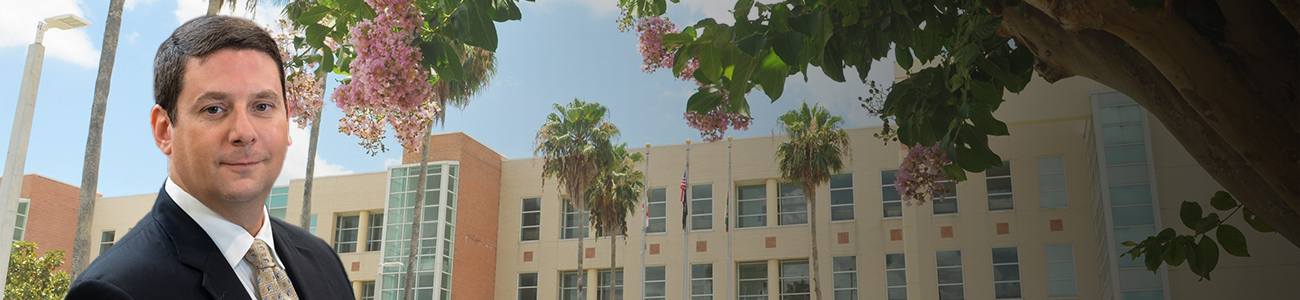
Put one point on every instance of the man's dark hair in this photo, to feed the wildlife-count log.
(199, 38)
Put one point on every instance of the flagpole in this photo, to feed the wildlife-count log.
(686, 230)
(645, 214)
(730, 186)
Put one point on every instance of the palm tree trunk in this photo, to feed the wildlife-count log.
(214, 7)
(810, 194)
(407, 291)
(311, 162)
(612, 247)
(582, 252)
(90, 170)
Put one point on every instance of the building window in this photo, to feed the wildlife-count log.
(277, 203)
(846, 277)
(842, 197)
(1006, 273)
(311, 225)
(610, 285)
(791, 209)
(1051, 182)
(530, 222)
(702, 207)
(345, 233)
(658, 213)
(948, 205)
(569, 285)
(751, 206)
(106, 239)
(367, 290)
(1060, 271)
(895, 277)
(375, 232)
(751, 281)
(950, 281)
(702, 281)
(655, 283)
(528, 286)
(889, 197)
(794, 280)
(998, 182)
(572, 220)
(20, 220)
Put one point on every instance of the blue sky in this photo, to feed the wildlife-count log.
(560, 50)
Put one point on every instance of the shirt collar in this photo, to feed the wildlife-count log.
(231, 239)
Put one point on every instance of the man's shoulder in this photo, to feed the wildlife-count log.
(144, 257)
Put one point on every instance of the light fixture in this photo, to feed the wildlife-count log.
(66, 22)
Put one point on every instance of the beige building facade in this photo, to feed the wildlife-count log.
(1085, 170)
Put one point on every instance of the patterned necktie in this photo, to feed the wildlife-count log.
(272, 283)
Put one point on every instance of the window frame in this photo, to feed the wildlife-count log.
(1018, 282)
(989, 194)
(836, 272)
(565, 226)
(106, 240)
(1064, 185)
(573, 288)
(368, 285)
(698, 295)
(695, 215)
(781, 213)
(523, 217)
(951, 196)
(885, 202)
(339, 231)
(852, 215)
(782, 277)
(902, 268)
(658, 202)
(1048, 263)
(616, 285)
(282, 211)
(961, 281)
(662, 282)
(375, 232)
(520, 287)
(20, 219)
(740, 280)
(761, 202)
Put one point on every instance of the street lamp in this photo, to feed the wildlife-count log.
(12, 184)
(380, 274)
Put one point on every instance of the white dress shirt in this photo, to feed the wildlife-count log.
(231, 239)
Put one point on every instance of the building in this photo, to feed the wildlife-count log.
(46, 214)
(1085, 170)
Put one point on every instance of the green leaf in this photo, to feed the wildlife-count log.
(1190, 213)
(1254, 221)
(753, 44)
(985, 93)
(1129, 244)
(1166, 235)
(741, 11)
(1223, 201)
(903, 57)
(1154, 255)
(1234, 242)
(984, 121)
(505, 10)
(1207, 252)
(678, 39)
(833, 63)
(771, 75)
(703, 100)
(788, 45)
(313, 15)
(443, 58)
(316, 35)
(326, 63)
(710, 63)
(806, 23)
(954, 172)
(1208, 223)
(1176, 251)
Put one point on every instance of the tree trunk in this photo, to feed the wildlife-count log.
(90, 170)
(1061, 53)
(214, 7)
(810, 196)
(408, 286)
(612, 247)
(582, 252)
(311, 162)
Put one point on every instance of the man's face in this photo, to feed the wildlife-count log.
(230, 135)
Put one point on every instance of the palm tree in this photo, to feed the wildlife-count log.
(614, 196)
(575, 143)
(809, 158)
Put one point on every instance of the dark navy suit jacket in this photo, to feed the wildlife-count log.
(168, 256)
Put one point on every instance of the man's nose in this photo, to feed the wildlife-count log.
(242, 131)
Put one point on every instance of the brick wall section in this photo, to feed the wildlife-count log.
(474, 266)
(52, 215)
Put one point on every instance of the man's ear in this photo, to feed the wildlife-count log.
(162, 129)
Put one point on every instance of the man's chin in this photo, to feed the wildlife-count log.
(245, 190)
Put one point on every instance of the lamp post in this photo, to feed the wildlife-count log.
(12, 184)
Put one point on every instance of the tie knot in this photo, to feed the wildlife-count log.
(259, 255)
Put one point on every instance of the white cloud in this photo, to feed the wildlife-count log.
(265, 15)
(841, 98)
(130, 39)
(130, 4)
(392, 162)
(295, 164)
(18, 29)
(719, 10)
(599, 9)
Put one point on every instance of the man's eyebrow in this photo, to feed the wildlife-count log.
(211, 96)
(266, 94)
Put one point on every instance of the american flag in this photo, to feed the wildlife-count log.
(685, 212)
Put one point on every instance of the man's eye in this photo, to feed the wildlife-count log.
(262, 107)
(212, 110)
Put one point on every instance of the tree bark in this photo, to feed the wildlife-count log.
(612, 251)
(810, 196)
(414, 248)
(582, 252)
(1061, 53)
(214, 7)
(90, 169)
(305, 221)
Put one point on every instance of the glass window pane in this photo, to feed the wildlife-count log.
(1143, 295)
(949, 275)
(1001, 202)
(529, 234)
(840, 213)
(846, 280)
(654, 289)
(654, 273)
(845, 263)
(1005, 255)
(887, 176)
(1051, 182)
(1123, 134)
(1135, 234)
(894, 261)
(893, 210)
(701, 207)
(1127, 174)
(999, 185)
(896, 278)
(946, 206)
(888, 193)
(1133, 215)
(841, 197)
(952, 292)
(794, 269)
(846, 295)
(948, 258)
(1052, 199)
(1007, 290)
(789, 190)
(1135, 194)
(841, 180)
(1116, 155)
(752, 192)
(1065, 269)
(752, 221)
(1006, 273)
(752, 270)
(657, 210)
(1120, 114)
(899, 293)
(752, 207)
(1005, 170)
(532, 219)
(1113, 98)
(702, 271)
(1138, 279)
(701, 222)
(700, 191)
(1059, 252)
(1061, 288)
(1050, 165)
(532, 204)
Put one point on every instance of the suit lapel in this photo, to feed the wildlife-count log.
(195, 249)
(298, 262)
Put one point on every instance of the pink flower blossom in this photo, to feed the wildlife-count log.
(921, 174)
(303, 93)
(388, 84)
(651, 36)
(713, 124)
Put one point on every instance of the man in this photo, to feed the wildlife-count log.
(221, 119)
